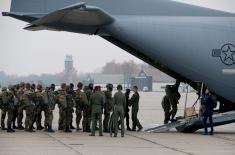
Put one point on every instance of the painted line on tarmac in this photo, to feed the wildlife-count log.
(162, 145)
(66, 145)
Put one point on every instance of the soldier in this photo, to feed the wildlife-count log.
(68, 111)
(62, 102)
(97, 102)
(174, 97)
(20, 105)
(8, 107)
(39, 107)
(119, 108)
(72, 92)
(80, 103)
(4, 107)
(126, 113)
(108, 106)
(16, 102)
(29, 106)
(134, 102)
(87, 109)
(166, 105)
(49, 100)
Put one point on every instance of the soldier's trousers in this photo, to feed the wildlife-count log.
(38, 117)
(20, 115)
(10, 114)
(174, 109)
(3, 116)
(61, 116)
(135, 120)
(30, 110)
(96, 116)
(67, 113)
(119, 114)
(127, 117)
(167, 115)
(106, 120)
(78, 116)
(15, 114)
(86, 121)
(48, 118)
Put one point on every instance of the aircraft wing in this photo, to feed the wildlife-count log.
(77, 17)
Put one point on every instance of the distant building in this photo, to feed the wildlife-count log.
(88, 80)
(143, 81)
(70, 74)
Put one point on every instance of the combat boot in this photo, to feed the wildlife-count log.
(128, 128)
(71, 126)
(20, 127)
(9, 129)
(67, 130)
(40, 127)
(50, 129)
(3, 126)
(30, 130)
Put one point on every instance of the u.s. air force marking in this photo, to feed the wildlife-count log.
(226, 54)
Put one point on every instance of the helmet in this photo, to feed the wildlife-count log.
(119, 87)
(63, 85)
(27, 85)
(80, 85)
(91, 86)
(53, 86)
(109, 86)
(39, 87)
(4, 88)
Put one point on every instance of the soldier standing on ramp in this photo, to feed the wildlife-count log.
(166, 105)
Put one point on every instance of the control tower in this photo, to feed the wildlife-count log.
(69, 69)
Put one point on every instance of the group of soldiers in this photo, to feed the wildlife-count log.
(170, 102)
(89, 104)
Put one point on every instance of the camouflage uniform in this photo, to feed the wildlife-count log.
(20, 106)
(80, 103)
(29, 106)
(68, 112)
(97, 102)
(86, 123)
(62, 103)
(108, 106)
(8, 107)
(39, 107)
(49, 100)
(3, 107)
(119, 108)
(15, 110)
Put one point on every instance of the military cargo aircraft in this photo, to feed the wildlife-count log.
(190, 43)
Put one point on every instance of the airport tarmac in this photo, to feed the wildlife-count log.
(138, 143)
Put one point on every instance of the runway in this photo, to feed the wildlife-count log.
(138, 143)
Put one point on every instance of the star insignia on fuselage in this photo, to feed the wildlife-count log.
(226, 54)
(229, 54)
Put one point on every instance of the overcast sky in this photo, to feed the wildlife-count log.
(24, 52)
